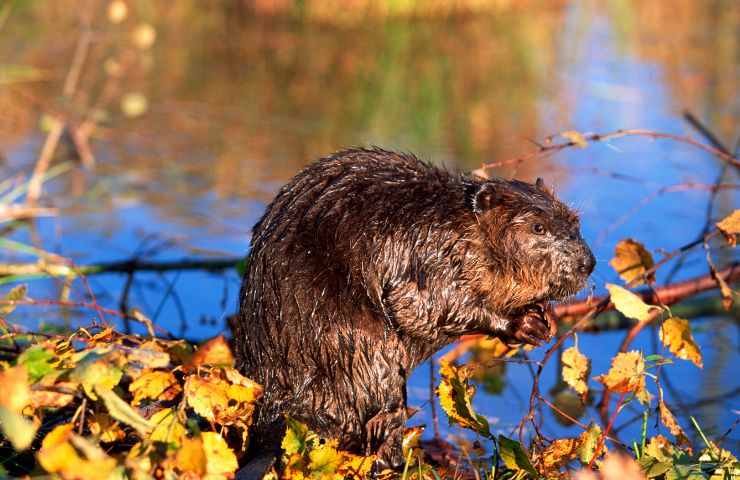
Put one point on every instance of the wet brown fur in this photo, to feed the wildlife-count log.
(367, 263)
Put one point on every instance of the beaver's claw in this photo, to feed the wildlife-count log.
(533, 326)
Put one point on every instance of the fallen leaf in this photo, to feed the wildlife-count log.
(96, 371)
(215, 351)
(64, 452)
(576, 368)
(629, 304)
(730, 227)
(675, 333)
(325, 459)
(152, 385)
(191, 457)
(296, 438)
(105, 428)
(167, 427)
(16, 390)
(220, 459)
(17, 428)
(122, 411)
(631, 261)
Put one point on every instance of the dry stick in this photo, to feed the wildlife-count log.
(52, 139)
(600, 137)
(432, 396)
(123, 266)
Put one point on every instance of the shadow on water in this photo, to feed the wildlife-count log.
(236, 103)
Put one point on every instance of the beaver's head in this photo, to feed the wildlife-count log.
(532, 242)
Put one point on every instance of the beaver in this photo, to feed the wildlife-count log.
(369, 261)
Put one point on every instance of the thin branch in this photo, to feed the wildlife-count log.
(551, 148)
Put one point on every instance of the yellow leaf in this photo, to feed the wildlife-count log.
(220, 459)
(152, 385)
(667, 418)
(17, 428)
(123, 412)
(64, 452)
(325, 459)
(730, 227)
(631, 260)
(206, 396)
(220, 401)
(56, 452)
(215, 351)
(559, 453)
(626, 375)
(96, 370)
(105, 428)
(191, 457)
(659, 448)
(576, 368)
(675, 333)
(629, 304)
(588, 442)
(576, 137)
(455, 396)
(167, 427)
(296, 437)
(16, 390)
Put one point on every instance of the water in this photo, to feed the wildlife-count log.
(237, 104)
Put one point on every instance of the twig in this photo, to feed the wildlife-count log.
(432, 403)
(52, 139)
(545, 150)
(123, 266)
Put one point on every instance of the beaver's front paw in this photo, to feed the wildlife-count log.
(533, 326)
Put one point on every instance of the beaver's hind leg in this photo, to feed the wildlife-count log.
(385, 439)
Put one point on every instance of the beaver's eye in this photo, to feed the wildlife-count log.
(538, 228)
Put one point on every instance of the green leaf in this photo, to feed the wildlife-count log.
(122, 411)
(296, 437)
(514, 456)
(37, 362)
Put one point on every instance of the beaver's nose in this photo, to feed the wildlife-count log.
(587, 265)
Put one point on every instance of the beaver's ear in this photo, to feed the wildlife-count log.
(481, 197)
(540, 184)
